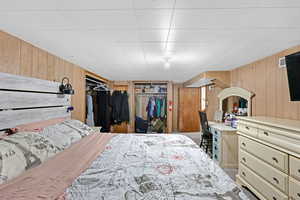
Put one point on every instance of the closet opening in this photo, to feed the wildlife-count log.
(98, 104)
(151, 107)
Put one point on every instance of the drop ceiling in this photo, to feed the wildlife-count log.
(130, 39)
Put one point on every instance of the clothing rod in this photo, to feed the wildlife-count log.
(95, 81)
(153, 93)
(162, 95)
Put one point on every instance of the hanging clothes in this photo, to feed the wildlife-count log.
(141, 103)
(144, 102)
(151, 108)
(90, 112)
(116, 104)
(96, 109)
(104, 110)
(163, 110)
(124, 115)
(138, 106)
(158, 107)
(120, 107)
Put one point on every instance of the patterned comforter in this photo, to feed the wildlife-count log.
(153, 167)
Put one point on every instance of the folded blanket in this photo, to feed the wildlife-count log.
(50, 179)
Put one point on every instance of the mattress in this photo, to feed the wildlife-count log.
(153, 167)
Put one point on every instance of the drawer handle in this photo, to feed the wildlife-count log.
(247, 127)
(266, 133)
(244, 159)
(276, 160)
(244, 174)
(216, 139)
(216, 148)
(244, 144)
(276, 180)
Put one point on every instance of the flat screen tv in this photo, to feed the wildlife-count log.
(293, 72)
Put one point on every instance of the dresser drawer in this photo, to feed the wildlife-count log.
(216, 155)
(216, 150)
(216, 147)
(284, 139)
(248, 129)
(272, 175)
(272, 156)
(295, 167)
(216, 136)
(294, 189)
(262, 186)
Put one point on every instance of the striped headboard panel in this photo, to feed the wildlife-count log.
(26, 100)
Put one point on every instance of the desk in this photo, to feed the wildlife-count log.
(225, 145)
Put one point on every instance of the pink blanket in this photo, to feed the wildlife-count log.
(53, 177)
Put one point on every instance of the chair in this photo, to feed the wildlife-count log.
(207, 137)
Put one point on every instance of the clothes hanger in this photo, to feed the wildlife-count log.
(101, 87)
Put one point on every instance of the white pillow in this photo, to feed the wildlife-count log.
(62, 134)
(22, 151)
(59, 138)
(77, 125)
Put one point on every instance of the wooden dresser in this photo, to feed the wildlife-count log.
(269, 157)
(225, 145)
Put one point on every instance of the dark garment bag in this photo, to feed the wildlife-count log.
(116, 104)
(104, 110)
(124, 116)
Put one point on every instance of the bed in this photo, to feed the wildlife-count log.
(54, 157)
(169, 167)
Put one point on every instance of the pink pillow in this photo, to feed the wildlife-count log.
(33, 127)
(39, 126)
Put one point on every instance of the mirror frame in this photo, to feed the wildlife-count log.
(236, 91)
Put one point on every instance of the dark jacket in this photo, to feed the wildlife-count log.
(120, 107)
(124, 115)
(104, 110)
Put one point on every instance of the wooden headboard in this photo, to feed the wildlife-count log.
(26, 100)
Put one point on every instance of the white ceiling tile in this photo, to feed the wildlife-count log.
(184, 4)
(154, 35)
(64, 4)
(237, 19)
(146, 4)
(127, 39)
(96, 4)
(102, 19)
(154, 19)
(28, 5)
(82, 20)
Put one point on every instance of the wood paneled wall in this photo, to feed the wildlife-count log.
(212, 101)
(270, 85)
(175, 122)
(21, 58)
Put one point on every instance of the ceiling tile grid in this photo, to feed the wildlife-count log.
(131, 39)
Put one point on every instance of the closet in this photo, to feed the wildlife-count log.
(151, 107)
(98, 101)
(107, 106)
(122, 127)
